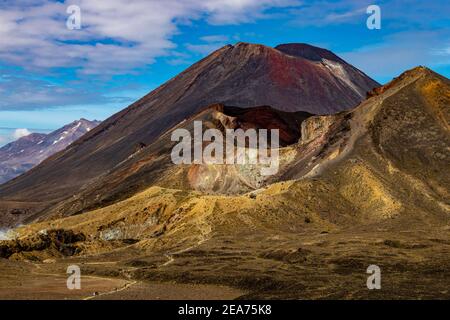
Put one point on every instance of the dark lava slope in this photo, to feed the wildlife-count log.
(294, 77)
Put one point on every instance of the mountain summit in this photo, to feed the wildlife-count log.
(23, 154)
(344, 72)
(309, 52)
(242, 75)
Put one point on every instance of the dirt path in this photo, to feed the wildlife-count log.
(29, 281)
(125, 287)
(171, 291)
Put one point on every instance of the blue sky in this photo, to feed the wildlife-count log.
(50, 75)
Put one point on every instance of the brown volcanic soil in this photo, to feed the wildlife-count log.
(279, 245)
(33, 281)
(239, 75)
(152, 164)
(368, 186)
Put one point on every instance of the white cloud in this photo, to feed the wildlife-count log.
(116, 35)
(204, 49)
(215, 38)
(403, 14)
(212, 43)
(240, 11)
(19, 133)
(442, 52)
(400, 52)
(25, 93)
(320, 13)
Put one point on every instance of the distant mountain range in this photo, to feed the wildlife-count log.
(23, 154)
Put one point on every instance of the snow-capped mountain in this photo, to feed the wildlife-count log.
(23, 154)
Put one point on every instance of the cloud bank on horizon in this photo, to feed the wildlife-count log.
(127, 47)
